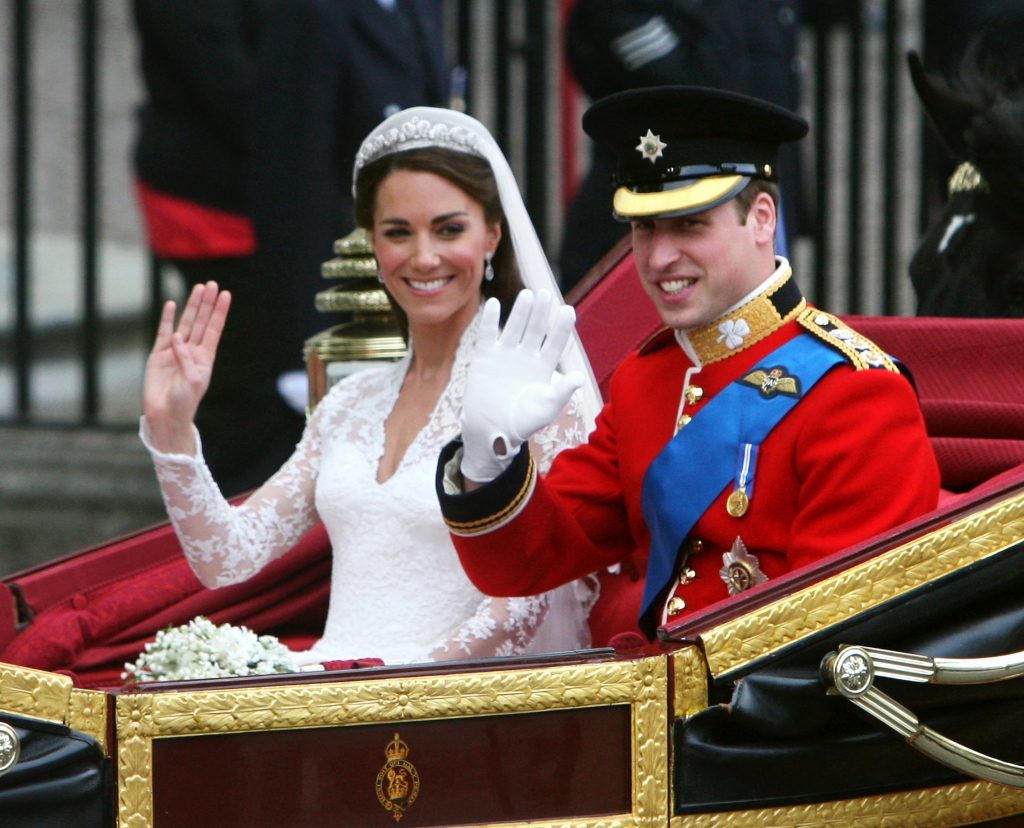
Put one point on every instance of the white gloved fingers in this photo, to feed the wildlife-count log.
(565, 385)
(518, 318)
(487, 336)
(539, 323)
(559, 331)
(530, 413)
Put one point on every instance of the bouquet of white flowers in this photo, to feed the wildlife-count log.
(201, 649)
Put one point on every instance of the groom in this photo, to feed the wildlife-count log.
(753, 435)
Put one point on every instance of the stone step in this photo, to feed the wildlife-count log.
(65, 489)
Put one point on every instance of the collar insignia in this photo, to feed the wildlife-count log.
(748, 324)
(733, 332)
(772, 381)
(650, 146)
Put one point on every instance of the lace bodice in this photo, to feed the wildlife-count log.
(398, 591)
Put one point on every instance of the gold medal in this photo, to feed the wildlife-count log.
(738, 503)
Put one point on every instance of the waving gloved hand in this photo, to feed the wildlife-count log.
(513, 388)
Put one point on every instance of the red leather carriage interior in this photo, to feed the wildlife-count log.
(90, 612)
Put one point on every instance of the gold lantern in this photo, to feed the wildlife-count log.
(372, 336)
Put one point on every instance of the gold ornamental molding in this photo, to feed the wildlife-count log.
(641, 684)
(35, 693)
(87, 713)
(942, 807)
(690, 690)
(52, 697)
(734, 644)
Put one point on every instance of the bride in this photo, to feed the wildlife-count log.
(449, 230)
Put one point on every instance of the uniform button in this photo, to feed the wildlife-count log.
(693, 394)
(675, 606)
(696, 546)
(683, 421)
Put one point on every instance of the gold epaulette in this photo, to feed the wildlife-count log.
(862, 353)
(658, 339)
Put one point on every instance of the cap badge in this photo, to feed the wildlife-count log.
(650, 146)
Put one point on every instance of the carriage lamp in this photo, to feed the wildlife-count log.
(370, 337)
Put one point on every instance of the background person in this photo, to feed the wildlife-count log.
(328, 71)
(755, 434)
(190, 158)
(449, 228)
(747, 46)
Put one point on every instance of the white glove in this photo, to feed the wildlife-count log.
(513, 387)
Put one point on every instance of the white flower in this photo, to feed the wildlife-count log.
(200, 649)
(733, 331)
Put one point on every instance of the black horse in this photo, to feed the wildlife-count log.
(971, 260)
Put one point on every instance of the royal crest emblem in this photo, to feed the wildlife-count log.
(398, 782)
(650, 146)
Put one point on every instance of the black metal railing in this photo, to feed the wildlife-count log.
(862, 180)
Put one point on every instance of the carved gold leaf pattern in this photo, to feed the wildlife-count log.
(949, 805)
(134, 717)
(690, 694)
(393, 700)
(642, 684)
(35, 693)
(752, 636)
(88, 714)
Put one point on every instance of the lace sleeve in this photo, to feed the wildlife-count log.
(570, 429)
(500, 627)
(224, 543)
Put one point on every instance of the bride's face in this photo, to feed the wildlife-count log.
(431, 238)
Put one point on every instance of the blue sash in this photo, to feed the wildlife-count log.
(700, 461)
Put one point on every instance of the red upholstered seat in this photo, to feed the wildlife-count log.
(93, 611)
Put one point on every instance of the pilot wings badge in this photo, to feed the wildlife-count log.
(772, 381)
(398, 782)
(740, 570)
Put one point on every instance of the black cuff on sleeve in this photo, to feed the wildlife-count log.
(490, 505)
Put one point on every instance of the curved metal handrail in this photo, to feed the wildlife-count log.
(851, 673)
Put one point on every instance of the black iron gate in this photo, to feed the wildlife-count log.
(864, 161)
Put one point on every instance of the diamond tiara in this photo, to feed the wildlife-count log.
(414, 133)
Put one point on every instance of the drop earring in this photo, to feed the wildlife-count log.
(488, 268)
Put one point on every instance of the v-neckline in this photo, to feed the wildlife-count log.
(459, 365)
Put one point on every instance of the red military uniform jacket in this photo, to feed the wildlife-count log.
(852, 459)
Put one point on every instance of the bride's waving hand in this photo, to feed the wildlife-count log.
(180, 364)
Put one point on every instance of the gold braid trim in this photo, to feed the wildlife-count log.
(862, 353)
(502, 516)
(760, 314)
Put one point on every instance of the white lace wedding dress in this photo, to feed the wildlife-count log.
(398, 591)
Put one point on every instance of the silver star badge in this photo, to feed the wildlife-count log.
(650, 146)
(740, 570)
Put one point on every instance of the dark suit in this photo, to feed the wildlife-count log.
(198, 62)
(328, 72)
